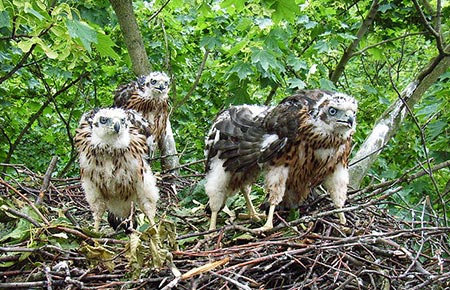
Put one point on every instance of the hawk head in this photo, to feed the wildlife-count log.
(110, 128)
(335, 113)
(156, 84)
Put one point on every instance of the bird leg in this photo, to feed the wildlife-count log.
(213, 220)
(342, 218)
(275, 186)
(97, 211)
(252, 214)
(269, 222)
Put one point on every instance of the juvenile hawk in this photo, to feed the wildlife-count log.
(112, 146)
(301, 143)
(148, 95)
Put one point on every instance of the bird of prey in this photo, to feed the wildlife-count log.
(148, 95)
(113, 146)
(299, 144)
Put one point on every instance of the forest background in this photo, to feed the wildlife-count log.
(59, 59)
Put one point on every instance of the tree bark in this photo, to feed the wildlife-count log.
(389, 122)
(141, 66)
(336, 74)
(132, 36)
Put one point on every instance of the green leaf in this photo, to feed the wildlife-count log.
(238, 47)
(105, 46)
(238, 4)
(321, 46)
(326, 84)
(211, 42)
(296, 83)
(80, 30)
(242, 69)
(296, 63)
(262, 57)
(377, 53)
(4, 19)
(284, 10)
(437, 128)
(29, 9)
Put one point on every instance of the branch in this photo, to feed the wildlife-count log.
(356, 53)
(336, 74)
(435, 32)
(36, 115)
(18, 65)
(26, 199)
(197, 79)
(132, 36)
(390, 121)
(46, 181)
(158, 11)
(425, 149)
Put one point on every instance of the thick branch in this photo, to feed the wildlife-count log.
(132, 36)
(389, 123)
(336, 74)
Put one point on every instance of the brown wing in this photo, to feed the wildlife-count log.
(235, 137)
(143, 127)
(123, 93)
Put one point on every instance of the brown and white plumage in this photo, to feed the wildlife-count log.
(113, 145)
(301, 143)
(148, 95)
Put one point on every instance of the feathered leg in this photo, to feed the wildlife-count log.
(216, 202)
(95, 201)
(148, 195)
(275, 184)
(216, 187)
(336, 185)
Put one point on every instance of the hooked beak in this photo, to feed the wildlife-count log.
(160, 88)
(117, 127)
(347, 120)
(351, 121)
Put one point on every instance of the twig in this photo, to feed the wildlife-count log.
(46, 181)
(196, 81)
(26, 199)
(232, 281)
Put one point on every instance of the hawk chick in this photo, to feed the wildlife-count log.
(112, 145)
(301, 143)
(148, 95)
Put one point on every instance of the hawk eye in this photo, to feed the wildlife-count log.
(103, 120)
(332, 111)
(153, 82)
(166, 83)
(122, 121)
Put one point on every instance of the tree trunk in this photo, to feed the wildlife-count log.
(389, 122)
(141, 66)
(132, 36)
(336, 74)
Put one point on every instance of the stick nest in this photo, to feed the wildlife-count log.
(50, 245)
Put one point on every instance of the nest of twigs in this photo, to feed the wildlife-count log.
(376, 250)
